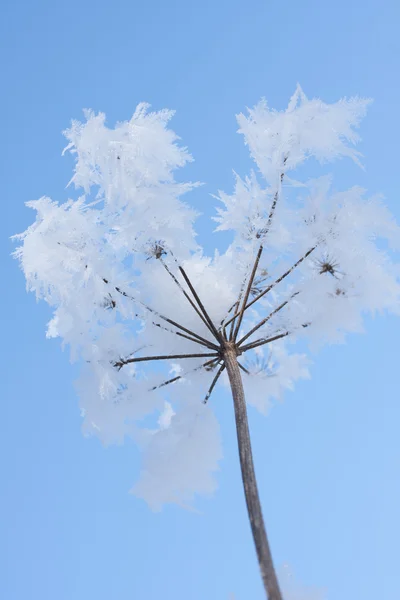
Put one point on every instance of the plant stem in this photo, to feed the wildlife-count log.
(263, 341)
(188, 298)
(201, 306)
(127, 361)
(247, 293)
(268, 574)
(261, 323)
(272, 285)
(213, 384)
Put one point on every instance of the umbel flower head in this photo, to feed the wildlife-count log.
(149, 315)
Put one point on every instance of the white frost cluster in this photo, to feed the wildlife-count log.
(108, 263)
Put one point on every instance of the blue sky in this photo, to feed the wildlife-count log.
(328, 458)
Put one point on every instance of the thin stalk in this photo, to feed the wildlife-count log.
(264, 556)
(274, 202)
(224, 334)
(155, 312)
(213, 383)
(243, 368)
(188, 298)
(173, 379)
(232, 320)
(210, 345)
(222, 323)
(167, 382)
(247, 292)
(261, 234)
(270, 287)
(201, 306)
(261, 323)
(174, 323)
(128, 361)
(263, 341)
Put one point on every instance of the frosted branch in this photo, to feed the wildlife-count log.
(213, 383)
(201, 306)
(119, 364)
(264, 321)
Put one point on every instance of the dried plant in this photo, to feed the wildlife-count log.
(131, 288)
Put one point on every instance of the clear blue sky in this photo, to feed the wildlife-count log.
(328, 459)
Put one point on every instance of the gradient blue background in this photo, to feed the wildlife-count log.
(328, 459)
